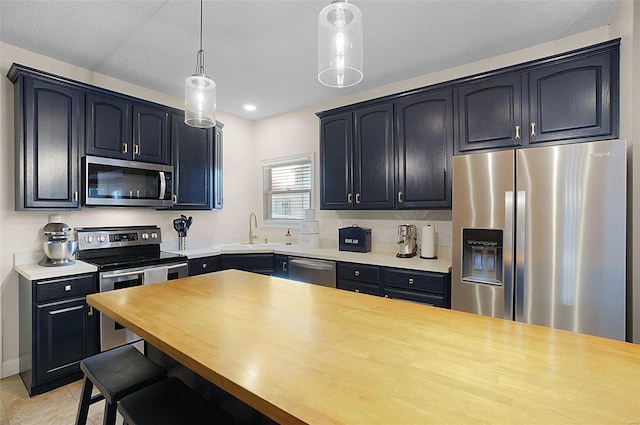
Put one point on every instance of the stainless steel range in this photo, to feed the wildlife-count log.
(126, 256)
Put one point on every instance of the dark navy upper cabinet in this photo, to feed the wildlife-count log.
(357, 159)
(490, 113)
(119, 128)
(336, 152)
(373, 159)
(424, 138)
(48, 130)
(192, 158)
(573, 99)
(566, 98)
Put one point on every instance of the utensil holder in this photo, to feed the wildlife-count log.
(182, 243)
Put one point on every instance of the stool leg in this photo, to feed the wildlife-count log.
(109, 413)
(85, 401)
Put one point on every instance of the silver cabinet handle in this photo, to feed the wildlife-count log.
(284, 266)
(533, 129)
(67, 288)
(517, 132)
(136, 149)
(357, 290)
(357, 198)
(410, 281)
(90, 312)
(356, 273)
(75, 196)
(349, 197)
(400, 197)
(125, 148)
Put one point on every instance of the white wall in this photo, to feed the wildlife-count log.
(246, 144)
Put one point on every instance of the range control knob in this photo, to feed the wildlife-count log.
(89, 239)
(101, 238)
(154, 235)
(145, 236)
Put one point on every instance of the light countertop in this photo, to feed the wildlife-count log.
(203, 248)
(26, 264)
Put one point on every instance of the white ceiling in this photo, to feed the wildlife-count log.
(265, 52)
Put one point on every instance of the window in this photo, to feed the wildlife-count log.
(287, 188)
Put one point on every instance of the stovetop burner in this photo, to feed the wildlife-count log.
(125, 247)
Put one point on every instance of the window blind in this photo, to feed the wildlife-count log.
(287, 189)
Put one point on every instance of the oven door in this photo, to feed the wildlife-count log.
(113, 334)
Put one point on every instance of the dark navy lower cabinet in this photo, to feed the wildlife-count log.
(418, 286)
(362, 278)
(204, 265)
(57, 330)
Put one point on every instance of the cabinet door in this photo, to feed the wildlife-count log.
(218, 198)
(66, 332)
(490, 113)
(572, 100)
(424, 137)
(373, 159)
(108, 126)
(336, 151)
(48, 143)
(192, 158)
(150, 133)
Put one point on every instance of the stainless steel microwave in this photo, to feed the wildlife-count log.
(120, 183)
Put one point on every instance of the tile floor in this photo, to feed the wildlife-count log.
(56, 407)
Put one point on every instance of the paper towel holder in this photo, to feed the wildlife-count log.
(428, 238)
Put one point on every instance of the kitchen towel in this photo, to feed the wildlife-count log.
(428, 247)
(155, 275)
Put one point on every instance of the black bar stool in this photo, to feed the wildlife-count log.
(170, 402)
(115, 373)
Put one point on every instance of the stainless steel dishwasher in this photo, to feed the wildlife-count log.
(319, 272)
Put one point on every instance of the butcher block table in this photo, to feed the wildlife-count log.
(302, 353)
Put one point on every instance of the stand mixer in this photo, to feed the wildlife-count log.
(58, 248)
(407, 242)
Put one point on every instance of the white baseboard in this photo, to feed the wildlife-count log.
(10, 367)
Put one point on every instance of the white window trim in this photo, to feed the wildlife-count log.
(270, 222)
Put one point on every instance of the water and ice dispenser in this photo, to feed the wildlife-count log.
(482, 256)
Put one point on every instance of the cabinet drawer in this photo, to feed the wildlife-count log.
(359, 272)
(419, 297)
(204, 265)
(56, 289)
(416, 281)
(365, 288)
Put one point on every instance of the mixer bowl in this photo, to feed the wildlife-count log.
(60, 250)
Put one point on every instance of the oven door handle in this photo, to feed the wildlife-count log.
(111, 276)
(175, 266)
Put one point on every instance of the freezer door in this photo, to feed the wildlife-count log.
(482, 208)
(571, 237)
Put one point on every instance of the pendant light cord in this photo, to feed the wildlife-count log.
(200, 57)
(201, 1)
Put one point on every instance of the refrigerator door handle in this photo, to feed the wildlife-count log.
(507, 255)
(520, 254)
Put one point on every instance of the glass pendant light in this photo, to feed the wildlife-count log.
(340, 44)
(200, 93)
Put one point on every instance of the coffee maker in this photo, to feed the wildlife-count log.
(407, 242)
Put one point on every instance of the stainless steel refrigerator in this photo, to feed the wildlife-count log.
(539, 236)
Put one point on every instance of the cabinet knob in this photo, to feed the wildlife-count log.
(356, 273)
(67, 288)
(204, 266)
(410, 281)
(357, 290)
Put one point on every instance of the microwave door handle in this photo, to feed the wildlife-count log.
(163, 185)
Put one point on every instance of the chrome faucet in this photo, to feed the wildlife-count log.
(255, 223)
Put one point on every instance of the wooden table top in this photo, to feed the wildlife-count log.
(303, 353)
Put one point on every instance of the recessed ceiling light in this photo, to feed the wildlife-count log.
(249, 107)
